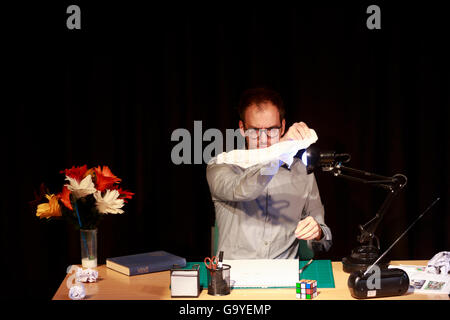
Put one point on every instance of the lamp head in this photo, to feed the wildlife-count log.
(313, 158)
(310, 158)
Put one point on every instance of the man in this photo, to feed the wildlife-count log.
(262, 216)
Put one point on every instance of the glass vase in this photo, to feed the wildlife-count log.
(88, 239)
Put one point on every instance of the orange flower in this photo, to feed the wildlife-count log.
(50, 209)
(65, 197)
(104, 178)
(77, 173)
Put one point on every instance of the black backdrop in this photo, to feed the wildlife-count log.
(113, 92)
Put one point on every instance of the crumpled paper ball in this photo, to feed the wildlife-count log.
(77, 292)
(86, 275)
(439, 264)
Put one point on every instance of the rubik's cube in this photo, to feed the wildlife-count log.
(306, 289)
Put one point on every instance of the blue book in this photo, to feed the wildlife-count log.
(145, 262)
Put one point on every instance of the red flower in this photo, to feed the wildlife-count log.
(104, 178)
(77, 173)
(65, 198)
(125, 194)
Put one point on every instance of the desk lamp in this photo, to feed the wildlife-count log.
(367, 252)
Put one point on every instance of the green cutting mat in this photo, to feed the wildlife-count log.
(319, 270)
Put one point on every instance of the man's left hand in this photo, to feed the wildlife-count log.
(308, 229)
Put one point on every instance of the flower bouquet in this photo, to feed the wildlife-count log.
(84, 200)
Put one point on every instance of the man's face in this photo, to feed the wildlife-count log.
(262, 116)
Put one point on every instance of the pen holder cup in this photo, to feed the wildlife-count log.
(219, 280)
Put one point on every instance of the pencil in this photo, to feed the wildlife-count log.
(305, 266)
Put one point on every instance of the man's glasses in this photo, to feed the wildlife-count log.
(255, 133)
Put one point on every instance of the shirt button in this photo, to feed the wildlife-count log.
(266, 243)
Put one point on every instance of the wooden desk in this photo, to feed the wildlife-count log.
(113, 285)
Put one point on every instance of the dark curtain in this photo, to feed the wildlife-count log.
(113, 92)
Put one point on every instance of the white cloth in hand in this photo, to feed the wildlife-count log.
(439, 264)
(281, 151)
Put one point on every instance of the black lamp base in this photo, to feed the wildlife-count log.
(362, 258)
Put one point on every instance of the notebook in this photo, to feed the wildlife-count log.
(263, 273)
(320, 270)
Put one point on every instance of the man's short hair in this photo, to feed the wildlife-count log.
(258, 96)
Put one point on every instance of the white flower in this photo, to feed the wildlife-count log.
(109, 203)
(82, 189)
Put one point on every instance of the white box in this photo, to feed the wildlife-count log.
(185, 282)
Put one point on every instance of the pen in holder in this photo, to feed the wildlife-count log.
(219, 280)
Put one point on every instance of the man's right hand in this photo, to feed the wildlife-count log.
(298, 131)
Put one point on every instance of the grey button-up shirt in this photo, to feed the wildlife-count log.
(257, 214)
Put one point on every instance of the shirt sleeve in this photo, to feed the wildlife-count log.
(228, 184)
(315, 209)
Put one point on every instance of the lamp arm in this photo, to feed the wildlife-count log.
(369, 233)
(367, 177)
(393, 184)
